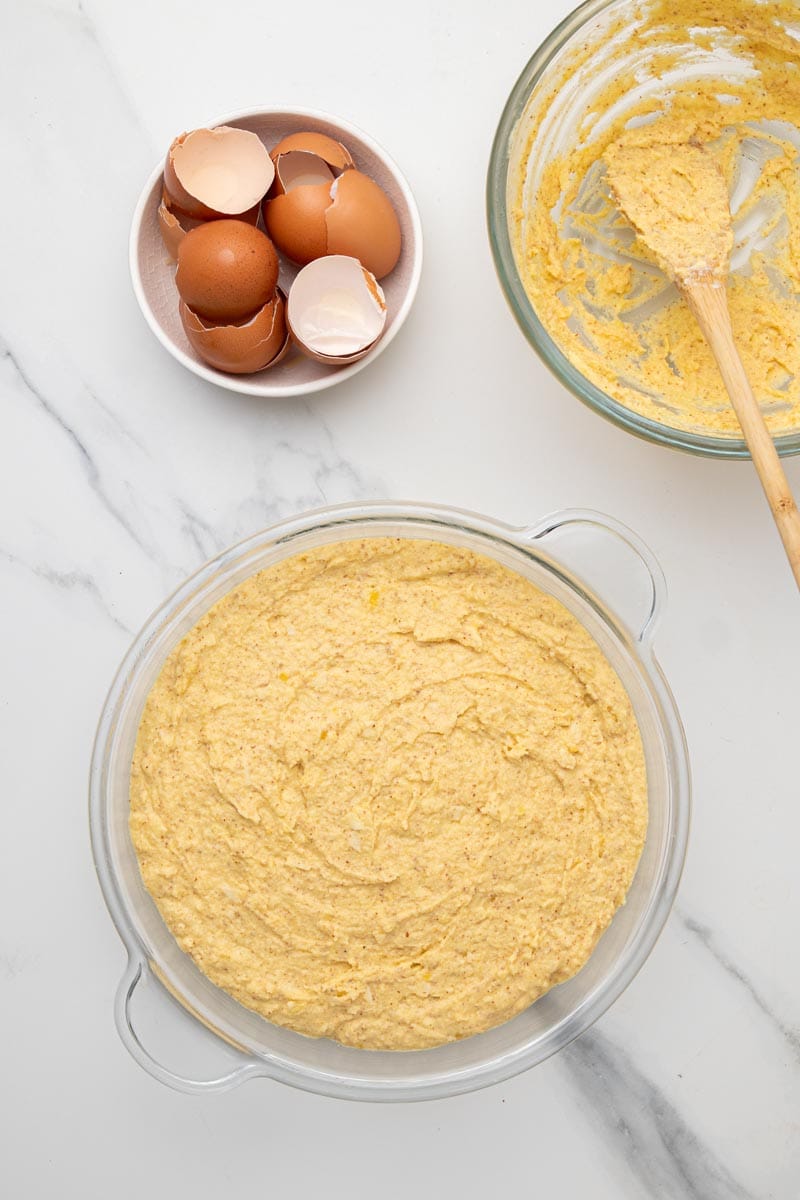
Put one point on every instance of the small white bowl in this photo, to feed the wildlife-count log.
(153, 274)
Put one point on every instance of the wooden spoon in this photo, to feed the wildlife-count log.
(677, 201)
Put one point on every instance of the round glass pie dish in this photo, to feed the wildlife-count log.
(553, 101)
(619, 606)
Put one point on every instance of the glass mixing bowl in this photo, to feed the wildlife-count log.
(617, 594)
(536, 95)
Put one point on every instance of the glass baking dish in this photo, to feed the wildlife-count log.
(609, 580)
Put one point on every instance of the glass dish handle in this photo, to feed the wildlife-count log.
(136, 973)
(641, 611)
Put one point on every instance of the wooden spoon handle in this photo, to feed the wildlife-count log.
(709, 303)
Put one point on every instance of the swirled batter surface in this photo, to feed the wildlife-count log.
(670, 71)
(388, 792)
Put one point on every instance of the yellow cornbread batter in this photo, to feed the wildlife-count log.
(676, 199)
(670, 71)
(388, 792)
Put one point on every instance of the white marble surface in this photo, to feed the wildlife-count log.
(120, 473)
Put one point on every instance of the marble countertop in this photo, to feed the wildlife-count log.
(120, 473)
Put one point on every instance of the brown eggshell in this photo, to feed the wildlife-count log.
(189, 222)
(296, 222)
(300, 168)
(240, 349)
(362, 224)
(179, 197)
(315, 316)
(172, 229)
(245, 161)
(226, 270)
(332, 360)
(331, 151)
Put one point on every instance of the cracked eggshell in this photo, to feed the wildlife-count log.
(312, 212)
(300, 168)
(172, 227)
(251, 216)
(174, 224)
(336, 310)
(240, 349)
(226, 270)
(327, 148)
(218, 172)
(362, 223)
(296, 221)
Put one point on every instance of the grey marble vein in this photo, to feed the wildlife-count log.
(323, 475)
(705, 936)
(661, 1150)
(114, 419)
(202, 535)
(343, 470)
(337, 467)
(326, 469)
(90, 468)
(68, 581)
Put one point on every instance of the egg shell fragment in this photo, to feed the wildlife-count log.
(362, 223)
(174, 224)
(227, 270)
(173, 227)
(217, 172)
(336, 310)
(251, 216)
(240, 349)
(298, 168)
(326, 148)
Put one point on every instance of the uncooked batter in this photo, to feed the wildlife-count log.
(676, 198)
(388, 792)
(594, 287)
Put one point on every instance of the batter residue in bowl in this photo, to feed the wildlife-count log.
(388, 792)
(671, 71)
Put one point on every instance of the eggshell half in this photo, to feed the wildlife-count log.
(327, 148)
(217, 172)
(240, 349)
(362, 224)
(226, 270)
(296, 222)
(336, 310)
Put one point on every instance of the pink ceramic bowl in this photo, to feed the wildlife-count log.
(153, 274)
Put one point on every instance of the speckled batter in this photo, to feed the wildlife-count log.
(595, 287)
(388, 792)
(676, 198)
